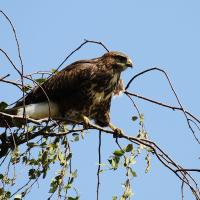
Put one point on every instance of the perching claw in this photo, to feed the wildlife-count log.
(86, 121)
(118, 131)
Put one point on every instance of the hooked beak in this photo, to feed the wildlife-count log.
(129, 63)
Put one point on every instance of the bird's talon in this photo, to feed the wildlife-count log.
(118, 133)
(86, 122)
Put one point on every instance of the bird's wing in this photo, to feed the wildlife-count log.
(64, 83)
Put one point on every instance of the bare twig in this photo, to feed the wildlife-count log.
(19, 85)
(99, 165)
(2, 78)
(173, 90)
(11, 62)
(78, 48)
(188, 170)
(162, 104)
(9, 118)
(15, 35)
(182, 190)
(129, 96)
(163, 157)
(22, 187)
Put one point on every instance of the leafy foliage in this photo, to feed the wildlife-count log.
(48, 145)
(3, 106)
(39, 156)
(50, 152)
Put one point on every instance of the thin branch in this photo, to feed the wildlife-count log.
(78, 48)
(18, 119)
(182, 192)
(15, 35)
(2, 78)
(160, 154)
(162, 104)
(19, 85)
(21, 73)
(22, 187)
(99, 165)
(11, 62)
(173, 90)
(188, 170)
(18, 47)
(40, 73)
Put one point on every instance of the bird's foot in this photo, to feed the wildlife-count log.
(118, 132)
(86, 122)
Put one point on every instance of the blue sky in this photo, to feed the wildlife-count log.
(153, 33)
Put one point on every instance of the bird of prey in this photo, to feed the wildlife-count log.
(80, 92)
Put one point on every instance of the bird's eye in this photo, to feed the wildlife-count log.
(121, 59)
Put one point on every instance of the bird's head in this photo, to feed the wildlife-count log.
(118, 60)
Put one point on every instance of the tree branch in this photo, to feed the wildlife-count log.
(99, 165)
(162, 104)
(173, 90)
(78, 48)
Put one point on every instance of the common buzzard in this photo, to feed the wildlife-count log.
(80, 92)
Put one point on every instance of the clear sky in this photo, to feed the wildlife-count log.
(153, 33)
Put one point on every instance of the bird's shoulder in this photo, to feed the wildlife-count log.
(68, 80)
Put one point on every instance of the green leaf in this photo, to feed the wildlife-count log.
(150, 150)
(75, 134)
(54, 70)
(132, 160)
(32, 162)
(31, 144)
(3, 105)
(74, 174)
(134, 118)
(18, 197)
(114, 162)
(32, 128)
(101, 171)
(70, 181)
(73, 198)
(40, 80)
(133, 173)
(15, 156)
(119, 152)
(7, 194)
(33, 173)
(54, 186)
(129, 148)
(61, 158)
(76, 139)
(27, 88)
(44, 158)
(126, 162)
(69, 156)
(141, 119)
(67, 186)
(148, 160)
(1, 176)
(114, 198)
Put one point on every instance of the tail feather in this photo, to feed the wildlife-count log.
(36, 111)
(11, 111)
(7, 121)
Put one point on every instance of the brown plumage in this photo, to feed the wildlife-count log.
(82, 89)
